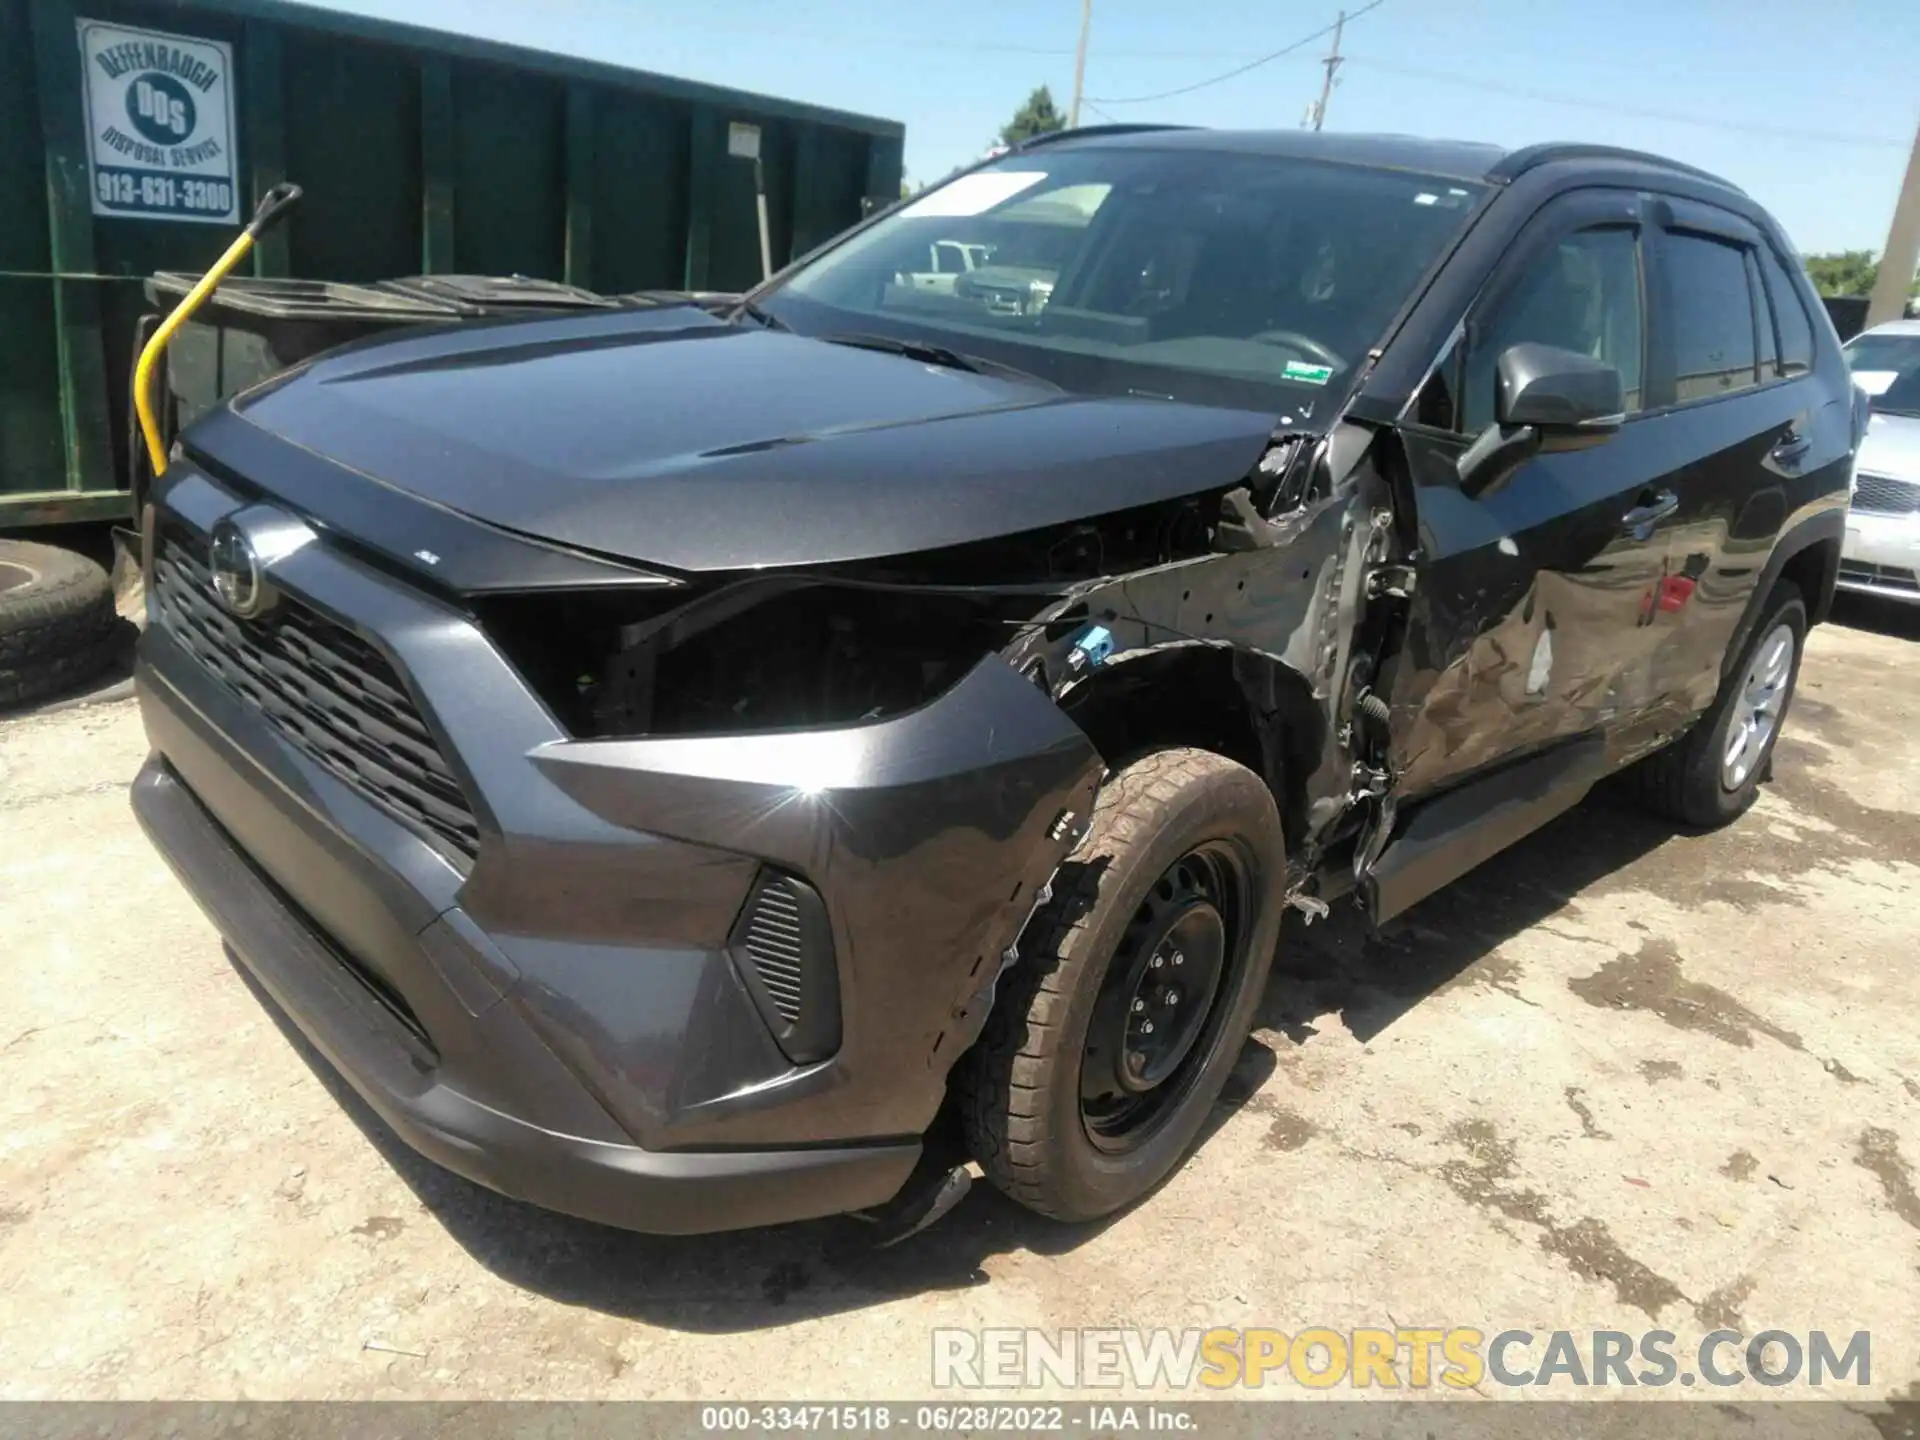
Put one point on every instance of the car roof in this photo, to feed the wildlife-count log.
(1449, 159)
(1892, 327)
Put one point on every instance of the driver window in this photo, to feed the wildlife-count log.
(1584, 296)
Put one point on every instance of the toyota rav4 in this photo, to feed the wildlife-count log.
(694, 770)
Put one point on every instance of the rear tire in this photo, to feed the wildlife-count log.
(57, 621)
(1712, 774)
(1174, 896)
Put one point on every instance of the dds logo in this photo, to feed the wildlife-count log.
(160, 108)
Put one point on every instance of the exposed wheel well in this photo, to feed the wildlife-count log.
(1249, 708)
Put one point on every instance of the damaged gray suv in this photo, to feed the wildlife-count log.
(695, 770)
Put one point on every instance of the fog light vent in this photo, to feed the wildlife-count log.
(783, 948)
(773, 943)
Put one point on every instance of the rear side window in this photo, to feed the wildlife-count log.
(1789, 316)
(1710, 316)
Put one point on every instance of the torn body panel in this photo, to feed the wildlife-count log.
(1246, 649)
(1234, 619)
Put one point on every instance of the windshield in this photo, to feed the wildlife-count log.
(1887, 367)
(1243, 280)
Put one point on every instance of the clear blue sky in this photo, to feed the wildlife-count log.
(1810, 108)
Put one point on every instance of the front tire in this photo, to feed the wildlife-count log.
(1135, 990)
(1712, 774)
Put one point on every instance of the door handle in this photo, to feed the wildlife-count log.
(1651, 510)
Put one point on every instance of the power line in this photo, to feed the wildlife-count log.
(1673, 117)
(1299, 44)
(868, 40)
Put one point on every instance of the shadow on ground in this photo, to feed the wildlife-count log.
(1340, 971)
(726, 1283)
(703, 1283)
(1883, 617)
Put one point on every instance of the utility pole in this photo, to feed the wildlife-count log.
(1902, 253)
(1080, 64)
(1332, 61)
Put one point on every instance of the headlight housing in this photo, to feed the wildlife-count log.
(757, 654)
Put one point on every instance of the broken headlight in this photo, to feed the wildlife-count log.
(767, 653)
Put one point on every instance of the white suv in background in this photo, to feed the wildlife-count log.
(1882, 551)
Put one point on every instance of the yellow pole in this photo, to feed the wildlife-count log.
(276, 203)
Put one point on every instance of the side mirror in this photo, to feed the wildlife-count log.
(1574, 400)
(1547, 399)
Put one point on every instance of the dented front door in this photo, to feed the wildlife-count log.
(1536, 617)
(1530, 623)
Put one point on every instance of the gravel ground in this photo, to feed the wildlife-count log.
(1618, 1078)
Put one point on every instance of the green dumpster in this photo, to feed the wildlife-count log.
(137, 138)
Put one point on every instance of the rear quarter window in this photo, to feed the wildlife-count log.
(1789, 316)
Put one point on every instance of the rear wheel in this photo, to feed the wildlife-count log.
(1115, 1032)
(1713, 772)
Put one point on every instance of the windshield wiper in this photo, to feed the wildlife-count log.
(930, 354)
(768, 320)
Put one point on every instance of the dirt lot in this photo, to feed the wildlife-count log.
(1619, 1076)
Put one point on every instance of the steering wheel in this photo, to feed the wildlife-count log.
(1305, 344)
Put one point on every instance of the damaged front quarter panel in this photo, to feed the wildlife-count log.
(921, 739)
(1245, 648)
(928, 836)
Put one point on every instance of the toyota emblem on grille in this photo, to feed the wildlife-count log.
(236, 572)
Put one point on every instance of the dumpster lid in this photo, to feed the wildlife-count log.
(498, 294)
(282, 298)
(714, 302)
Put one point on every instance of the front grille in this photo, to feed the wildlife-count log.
(1884, 495)
(773, 943)
(323, 689)
(1883, 577)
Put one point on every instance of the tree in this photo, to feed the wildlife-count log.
(1037, 117)
(1848, 272)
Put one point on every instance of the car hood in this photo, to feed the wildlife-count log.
(672, 439)
(1892, 446)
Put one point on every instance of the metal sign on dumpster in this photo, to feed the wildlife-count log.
(159, 124)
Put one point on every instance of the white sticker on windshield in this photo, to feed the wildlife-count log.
(976, 194)
(1875, 382)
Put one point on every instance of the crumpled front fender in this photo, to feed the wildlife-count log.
(927, 836)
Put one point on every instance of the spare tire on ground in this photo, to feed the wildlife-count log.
(57, 621)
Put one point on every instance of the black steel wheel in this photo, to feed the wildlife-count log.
(1135, 990)
(1159, 998)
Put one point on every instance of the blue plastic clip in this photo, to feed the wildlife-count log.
(1092, 647)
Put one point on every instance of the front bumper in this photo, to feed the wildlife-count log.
(564, 1018)
(597, 1179)
(1881, 556)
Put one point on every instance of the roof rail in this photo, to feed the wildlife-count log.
(1530, 157)
(1033, 141)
